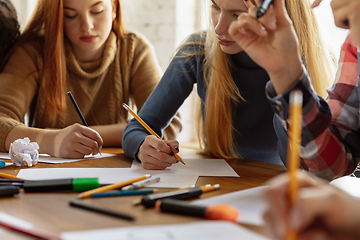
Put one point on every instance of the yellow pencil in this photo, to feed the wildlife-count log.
(295, 117)
(148, 128)
(8, 176)
(112, 186)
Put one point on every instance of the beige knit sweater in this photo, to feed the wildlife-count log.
(127, 71)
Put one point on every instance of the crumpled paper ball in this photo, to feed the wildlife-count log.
(23, 151)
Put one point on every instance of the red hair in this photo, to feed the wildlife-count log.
(48, 18)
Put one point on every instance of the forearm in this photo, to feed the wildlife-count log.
(322, 146)
(111, 134)
(45, 138)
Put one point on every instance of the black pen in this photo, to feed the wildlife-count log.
(77, 108)
(263, 8)
(101, 210)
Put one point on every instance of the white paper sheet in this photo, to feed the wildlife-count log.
(175, 177)
(249, 202)
(45, 158)
(348, 184)
(4, 217)
(105, 175)
(180, 175)
(204, 230)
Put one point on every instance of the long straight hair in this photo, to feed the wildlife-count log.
(48, 19)
(215, 130)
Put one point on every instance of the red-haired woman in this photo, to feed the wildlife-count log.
(79, 46)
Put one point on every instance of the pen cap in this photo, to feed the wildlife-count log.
(84, 184)
(8, 190)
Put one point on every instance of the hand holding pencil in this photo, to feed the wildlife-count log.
(155, 153)
(290, 191)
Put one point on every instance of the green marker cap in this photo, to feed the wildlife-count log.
(84, 184)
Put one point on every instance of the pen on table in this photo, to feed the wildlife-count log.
(8, 190)
(78, 110)
(53, 185)
(264, 6)
(5, 164)
(141, 184)
(32, 232)
(8, 176)
(295, 117)
(214, 212)
(148, 128)
(112, 186)
(150, 199)
(138, 201)
(101, 210)
(123, 193)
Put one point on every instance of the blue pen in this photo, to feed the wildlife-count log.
(4, 164)
(123, 193)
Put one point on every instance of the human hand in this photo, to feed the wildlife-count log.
(346, 15)
(76, 141)
(155, 154)
(321, 211)
(271, 42)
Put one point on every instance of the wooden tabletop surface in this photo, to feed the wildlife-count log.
(51, 211)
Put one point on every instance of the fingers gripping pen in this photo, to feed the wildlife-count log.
(263, 8)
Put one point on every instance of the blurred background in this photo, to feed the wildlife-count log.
(166, 23)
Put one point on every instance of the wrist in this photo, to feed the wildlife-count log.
(46, 141)
(284, 79)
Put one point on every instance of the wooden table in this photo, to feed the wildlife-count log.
(51, 211)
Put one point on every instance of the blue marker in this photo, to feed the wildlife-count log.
(122, 193)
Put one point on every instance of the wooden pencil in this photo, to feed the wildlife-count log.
(112, 186)
(8, 176)
(295, 117)
(148, 128)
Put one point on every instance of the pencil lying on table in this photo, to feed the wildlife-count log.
(8, 176)
(295, 116)
(148, 128)
(112, 186)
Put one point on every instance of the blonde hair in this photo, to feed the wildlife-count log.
(215, 131)
(47, 18)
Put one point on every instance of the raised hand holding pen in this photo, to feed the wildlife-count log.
(346, 15)
(271, 42)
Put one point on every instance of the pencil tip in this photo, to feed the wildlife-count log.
(81, 195)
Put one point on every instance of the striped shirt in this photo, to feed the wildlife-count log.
(330, 145)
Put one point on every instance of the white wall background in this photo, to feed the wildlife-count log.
(166, 23)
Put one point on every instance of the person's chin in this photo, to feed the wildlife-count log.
(231, 49)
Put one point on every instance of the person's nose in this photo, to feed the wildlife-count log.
(222, 25)
(87, 23)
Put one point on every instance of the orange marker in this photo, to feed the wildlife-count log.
(215, 212)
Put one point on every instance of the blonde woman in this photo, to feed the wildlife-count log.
(79, 46)
(236, 117)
